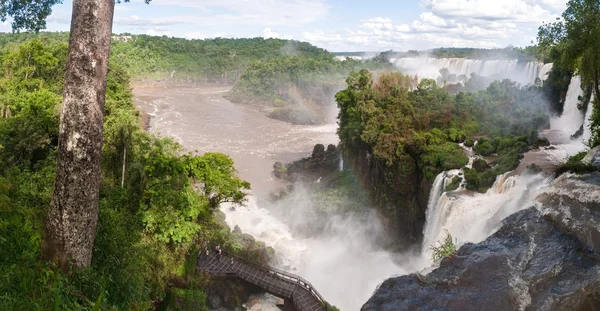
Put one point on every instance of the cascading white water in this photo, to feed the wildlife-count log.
(428, 67)
(345, 251)
(341, 165)
(473, 217)
(571, 119)
(432, 215)
(587, 123)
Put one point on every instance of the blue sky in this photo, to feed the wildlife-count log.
(335, 24)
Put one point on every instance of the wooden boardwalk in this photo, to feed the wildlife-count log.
(276, 282)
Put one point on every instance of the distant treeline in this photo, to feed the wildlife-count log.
(212, 60)
(530, 53)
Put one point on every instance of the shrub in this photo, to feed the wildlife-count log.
(484, 149)
(469, 142)
(453, 185)
(447, 248)
(575, 165)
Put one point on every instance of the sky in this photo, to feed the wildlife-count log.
(337, 25)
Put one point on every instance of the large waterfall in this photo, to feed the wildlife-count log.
(427, 67)
(471, 217)
(587, 123)
(571, 119)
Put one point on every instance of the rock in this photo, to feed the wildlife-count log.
(550, 148)
(214, 301)
(279, 170)
(318, 151)
(322, 162)
(295, 115)
(540, 259)
(541, 142)
(238, 308)
(253, 301)
(578, 133)
(593, 157)
(231, 301)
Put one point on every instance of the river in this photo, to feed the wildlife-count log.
(342, 264)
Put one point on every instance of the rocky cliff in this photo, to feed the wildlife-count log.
(543, 258)
(399, 193)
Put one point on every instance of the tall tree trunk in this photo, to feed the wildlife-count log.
(124, 161)
(71, 224)
(597, 87)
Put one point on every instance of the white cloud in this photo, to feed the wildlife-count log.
(449, 23)
(322, 37)
(254, 12)
(433, 20)
(158, 32)
(403, 28)
(505, 10)
(276, 34)
(270, 33)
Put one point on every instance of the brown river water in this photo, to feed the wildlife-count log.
(343, 265)
(201, 119)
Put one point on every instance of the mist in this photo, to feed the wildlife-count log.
(336, 249)
(459, 70)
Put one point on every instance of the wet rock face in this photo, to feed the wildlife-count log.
(321, 164)
(593, 157)
(542, 258)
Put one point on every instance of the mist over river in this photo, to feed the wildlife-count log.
(343, 264)
(201, 119)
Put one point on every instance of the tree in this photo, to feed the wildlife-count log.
(30, 15)
(72, 219)
(71, 224)
(576, 36)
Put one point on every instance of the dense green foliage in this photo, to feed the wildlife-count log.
(29, 15)
(148, 226)
(572, 42)
(454, 184)
(297, 86)
(219, 60)
(575, 165)
(508, 151)
(422, 126)
(211, 60)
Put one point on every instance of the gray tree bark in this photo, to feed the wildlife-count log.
(70, 228)
(596, 86)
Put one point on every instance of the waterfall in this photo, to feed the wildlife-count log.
(432, 216)
(571, 119)
(587, 123)
(544, 71)
(426, 67)
(472, 218)
(341, 165)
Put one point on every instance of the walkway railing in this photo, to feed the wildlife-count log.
(223, 267)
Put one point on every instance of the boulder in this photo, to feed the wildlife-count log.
(593, 157)
(214, 301)
(544, 258)
(323, 162)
